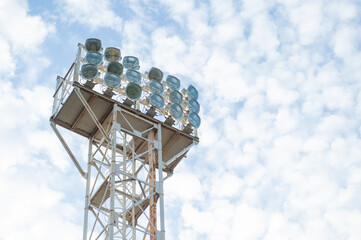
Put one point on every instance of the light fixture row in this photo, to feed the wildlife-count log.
(163, 95)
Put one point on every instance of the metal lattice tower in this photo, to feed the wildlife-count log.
(130, 154)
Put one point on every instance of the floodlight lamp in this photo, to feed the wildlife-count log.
(115, 68)
(131, 62)
(173, 82)
(176, 97)
(194, 119)
(133, 91)
(133, 76)
(193, 105)
(93, 45)
(112, 54)
(192, 92)
(176, 111)
(112, 80)
(155, 74)
(156, 100)
(94, 58)
(156, 87)
(89, 71)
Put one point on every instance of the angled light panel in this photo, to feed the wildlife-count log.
(173, 82)
(89, 71)
(131, 62)
(94, 58)
(194, 119)
(133, 76)
(176, 111)
(156, 87)
(157, 101)
(93, 45)
(112, 54)
(155, 74)
(176, 97)
(133, 91)
(192, 92)
(193, 105)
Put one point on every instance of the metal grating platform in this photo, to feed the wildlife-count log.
(74, 116)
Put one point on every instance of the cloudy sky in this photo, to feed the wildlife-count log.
(280, 93)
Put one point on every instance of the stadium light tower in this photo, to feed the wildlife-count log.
(139, 128)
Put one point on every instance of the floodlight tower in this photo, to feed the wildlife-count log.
(138, 127)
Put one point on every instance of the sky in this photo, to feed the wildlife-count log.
(280, 93)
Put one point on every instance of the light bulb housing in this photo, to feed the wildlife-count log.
(93, 45)
(94, 58)
(155, 74)
(133, 76)
(193, 105)
(133, 91)
(194, 119)
(157, 101)
(89, 71)
(115, 68)
(192, 92)
(112, 80)
(173, 82)
(112, 54)
(131, 62)
(176, 111)
(176, 97)
(156, 87)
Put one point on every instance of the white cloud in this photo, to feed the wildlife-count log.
(94, 14)
(34, 211)
(7, 62)
(21, 35)
(168, 51)
(280, 135)
(23, 31)
(183, 186)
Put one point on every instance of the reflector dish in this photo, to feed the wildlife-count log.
(93, 45)
(112, 80)
(192, 92)
(194, 119)
(89, 71)
(131, 62)
(173, 82)
(155, 74)
(157, 101)
(133, 76)
(94, 58)
(193, 105)
(176, 111)
(176, 97)
(133, 91)
(156, 87)
(112, 54)
(115, 68)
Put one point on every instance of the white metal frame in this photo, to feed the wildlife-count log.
(124, 188)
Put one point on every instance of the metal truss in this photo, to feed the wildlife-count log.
(123, 186)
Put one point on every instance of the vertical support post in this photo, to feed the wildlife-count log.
(77, 64)
(134, 233)
(88, 179)
(113, 173)
(124, 203)
(152, 177)
(160, 174)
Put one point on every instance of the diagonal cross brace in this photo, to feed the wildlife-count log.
(91, 113)
(76, 163)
